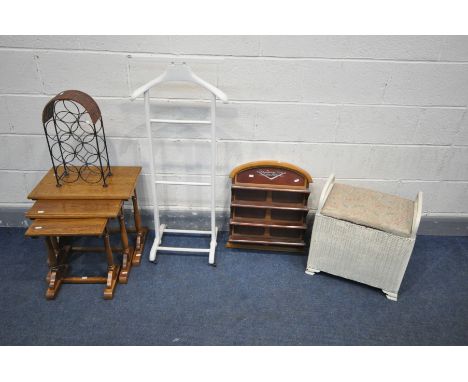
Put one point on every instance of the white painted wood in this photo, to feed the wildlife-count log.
(157, 242)
(417, 214)
(157, 238)
(390, 295)
(189, 231)
(325, 192)
(213, 244)
(181, 121)
(182, 249)
(181, 72)
(182, 183)
(214, 161)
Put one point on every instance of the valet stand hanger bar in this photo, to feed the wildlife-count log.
(181, 72)
(186, 183)
(177, 121)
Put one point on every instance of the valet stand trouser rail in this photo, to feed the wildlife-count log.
(51, 230)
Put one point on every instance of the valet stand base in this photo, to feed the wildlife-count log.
(162, 229)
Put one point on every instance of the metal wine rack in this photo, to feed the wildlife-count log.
(76, 139)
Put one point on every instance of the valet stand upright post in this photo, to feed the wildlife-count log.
(181, 72)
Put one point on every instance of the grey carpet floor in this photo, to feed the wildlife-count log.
(250, 298)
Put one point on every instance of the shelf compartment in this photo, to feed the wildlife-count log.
(249, 213)
(254, 231)
(251, 195)
(283, 232)
(287, 215)
(283, 197)
(270, 205)
(252, 239)
(268, 223)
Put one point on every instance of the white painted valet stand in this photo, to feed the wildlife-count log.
(181, 72)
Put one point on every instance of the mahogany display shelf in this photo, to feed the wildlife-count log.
(269, 206)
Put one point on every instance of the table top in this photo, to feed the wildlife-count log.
(120, 186)
(74, 209)
(67, 227)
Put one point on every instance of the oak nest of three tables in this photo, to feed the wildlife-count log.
(84, 209)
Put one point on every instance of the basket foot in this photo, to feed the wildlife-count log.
(390, 295)
(311, 271)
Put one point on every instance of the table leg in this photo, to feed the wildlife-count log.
(140, 231)
(55, 248)
(112, 269)
(57, 268)
(61, 256)
(127, 252)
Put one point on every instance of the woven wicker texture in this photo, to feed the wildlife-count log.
(359, 253)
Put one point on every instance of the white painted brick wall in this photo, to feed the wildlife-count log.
(385, 112)
(94, 73)
(19, 72)
(431, 84)
(5, 127)
(370, 47)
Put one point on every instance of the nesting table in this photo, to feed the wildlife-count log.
(84, 209)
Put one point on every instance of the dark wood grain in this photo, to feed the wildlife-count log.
(268, 206)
